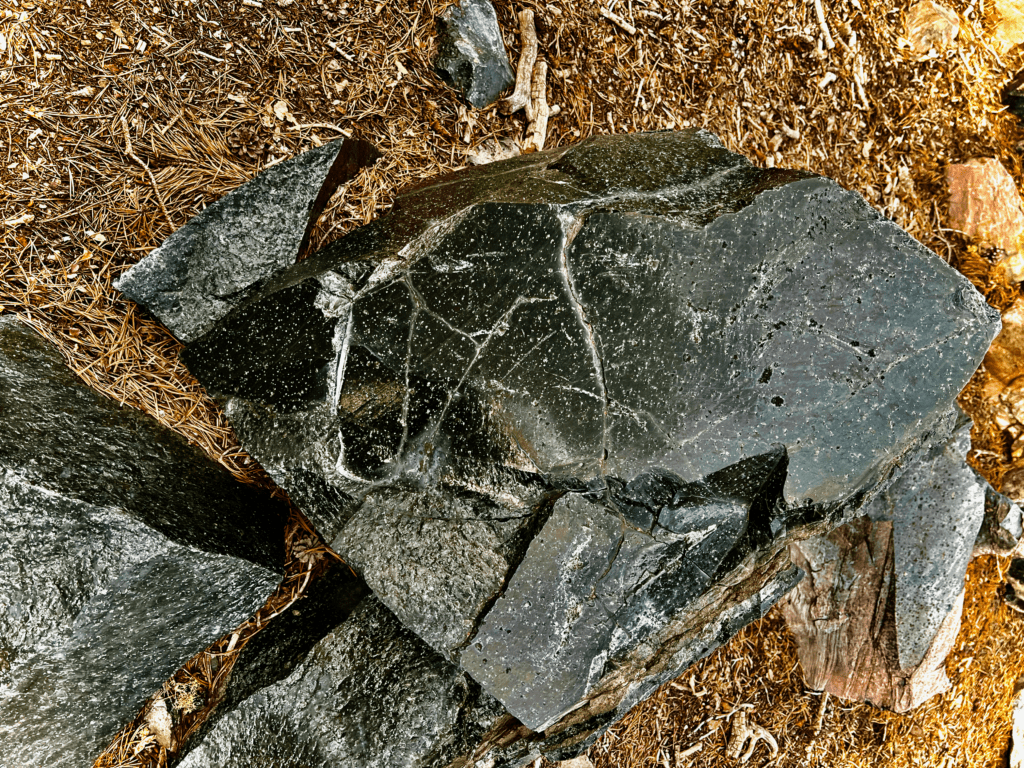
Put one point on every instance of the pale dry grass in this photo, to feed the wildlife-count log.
(195, 85)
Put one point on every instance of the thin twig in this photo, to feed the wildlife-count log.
(820, 12)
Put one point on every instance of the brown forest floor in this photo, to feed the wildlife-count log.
(120, 120)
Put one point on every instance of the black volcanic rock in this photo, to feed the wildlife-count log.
(637, 347)
(592, 586)
(471, 56)
(881, 607)
(371, 694)
(105, 585)
(207, 267)
(62, 436)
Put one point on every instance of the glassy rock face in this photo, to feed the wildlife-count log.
(205, 268)
(565, 412)
(895, 579)
(105, 587)
(470, 53)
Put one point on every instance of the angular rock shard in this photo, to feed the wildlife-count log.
(208, 266)
(536, 356)
(470, 53)
(881, 606)
(106, 586)
(68, 439)
(592, 586)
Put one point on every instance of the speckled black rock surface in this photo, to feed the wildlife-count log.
(100, 600)
(470, 53)
(62, 436)
(936, 507)
(204, 269)
(277, 649)
(550, 349)
(370, 694)
(594, 585)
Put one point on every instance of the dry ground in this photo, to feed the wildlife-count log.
(120, 120)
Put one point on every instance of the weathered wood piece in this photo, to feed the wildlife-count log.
(880, 607)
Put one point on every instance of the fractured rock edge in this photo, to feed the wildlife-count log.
(880, 609)
(152, 605)
(207, 267)
(110, 576)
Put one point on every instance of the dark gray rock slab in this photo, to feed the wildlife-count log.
(590, 330)
(471, 56)
(937, 506)
(60, 435)
(370, 694)
(592, 586)
(281, 645)
(123, 551)
(98, 610)
(205, 268)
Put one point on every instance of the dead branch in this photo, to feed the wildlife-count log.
(537, 130)
(820, 13)
(613, 17)
(527, 58)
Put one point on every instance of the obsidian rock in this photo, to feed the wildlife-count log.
(105, 585)
(936, 506)
(205, 268)
(610, 347)
(63, 437)
(370, 694)
(470, 53)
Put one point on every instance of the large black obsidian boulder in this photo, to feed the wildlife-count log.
(565, 412)
(123, 551)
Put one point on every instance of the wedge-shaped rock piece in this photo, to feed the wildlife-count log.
(592, 586)
(62, 436)
(579, 330)
(123, 551)
(470, 53)
(207, 267)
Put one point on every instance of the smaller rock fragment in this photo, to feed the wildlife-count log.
(210, 265)
(985, 205)
(931, 27)
(1005, 358)
(881, 606)
(371, 694)
(1002, 527)
(471, 55)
